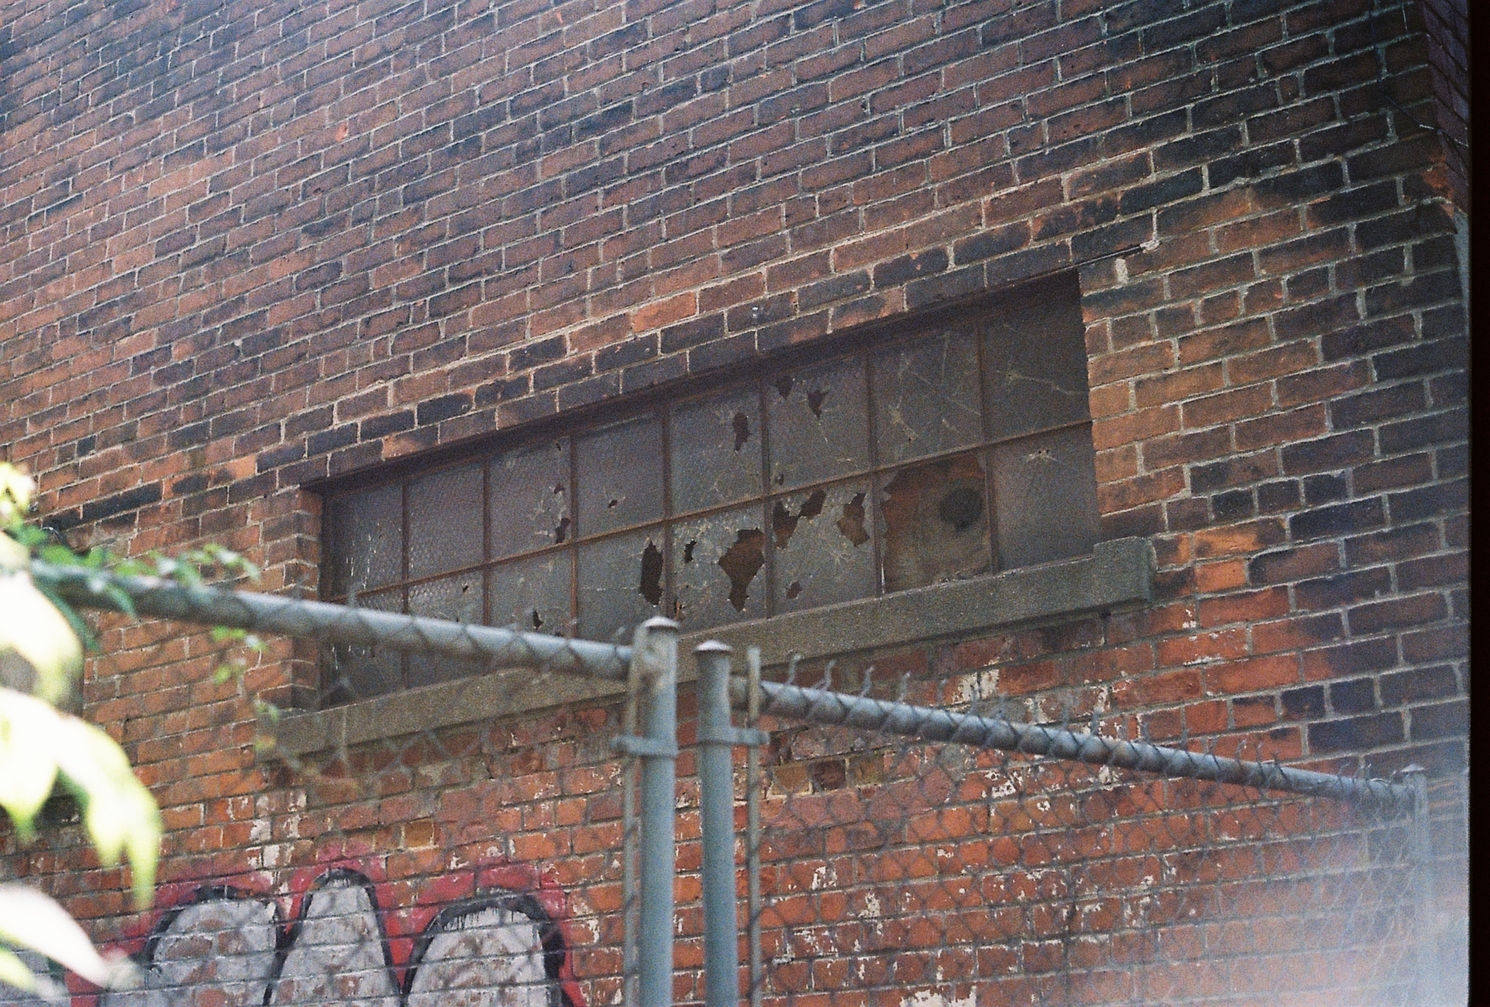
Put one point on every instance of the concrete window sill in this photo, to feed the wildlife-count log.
(1117, 575)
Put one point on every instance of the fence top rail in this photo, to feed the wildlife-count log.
(336, 624)
(930, 724)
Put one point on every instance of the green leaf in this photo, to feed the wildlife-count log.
(79, 627)
(121, 599)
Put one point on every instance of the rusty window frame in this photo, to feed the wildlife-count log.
(875, 473)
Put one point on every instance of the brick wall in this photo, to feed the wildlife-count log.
(1447, 24)
(249, 245)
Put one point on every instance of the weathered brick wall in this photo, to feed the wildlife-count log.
(252, 244)
(1447, 24)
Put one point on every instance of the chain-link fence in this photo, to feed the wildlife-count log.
(525, 841)
(960, 875)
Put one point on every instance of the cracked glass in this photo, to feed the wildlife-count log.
(1045, 488)
(445, 521)
(716, 450)
(533, 593)
(621, 483)
(818, 423)
(1036, 367)
(957, 446)
(823, 552)
(620, 583)
(934, 521)
(719, 568)
(355, 671)
(456, 599)
(530, 494)
(926, 397)
(365, 540)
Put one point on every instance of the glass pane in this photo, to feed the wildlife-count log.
(823, 552)
(620, 475)
(926, 397)
(445, 520)
(716, 450)
(1036, 360)
(530, 498)
(935, 523)
(357, 672)
(1045, 489)
(620, 584)
(532, 593)
(819, 426)
(458, 599)
(364, 540)
(717, 569)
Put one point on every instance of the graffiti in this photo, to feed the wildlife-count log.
(227, 947)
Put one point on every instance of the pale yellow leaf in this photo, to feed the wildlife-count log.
(31, 626)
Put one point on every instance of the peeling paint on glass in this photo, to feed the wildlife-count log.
(1036, 362)
(716, 450)
(926, 397)
(621, 483)
(530, 498)
(822, 547)
(620, 583)
(935, 523)
(718, 568)
(818, 423)
(365, 535)
(445, 521)
(532, 593)
(1045, 488)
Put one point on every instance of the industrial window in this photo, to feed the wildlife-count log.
(956, 446)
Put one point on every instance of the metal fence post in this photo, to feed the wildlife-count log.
(716, 737)
(656, 651)
(1420, 840)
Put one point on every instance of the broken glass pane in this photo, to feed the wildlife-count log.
(1045, 489)
(716, 450)
(926, 397)
(1036, 361)
(819, 427)
(457, 599)
(532, 593)
(620, 475)
(530, 498)
(359, 672)
(364, 540)
(445, 520)
(620, 584)
(718, 574)
(935, 523)
(823, 552)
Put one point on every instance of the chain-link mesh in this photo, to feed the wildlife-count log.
(480, 839)
(475, 840)
(942, 874)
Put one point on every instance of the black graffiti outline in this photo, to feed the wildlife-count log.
(550, 938)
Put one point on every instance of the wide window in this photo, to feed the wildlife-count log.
(955, 446)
